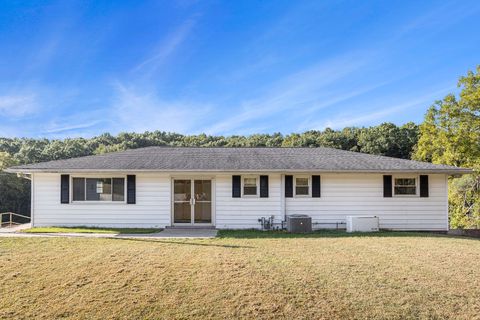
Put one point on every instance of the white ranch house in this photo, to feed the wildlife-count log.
(232, 188)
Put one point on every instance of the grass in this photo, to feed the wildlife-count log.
(90, 230)
(244, 275)
(255, 234)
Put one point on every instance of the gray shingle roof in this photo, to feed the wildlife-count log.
(237, 159)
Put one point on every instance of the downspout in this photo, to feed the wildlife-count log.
(446, 196)
(283, 201)
(32, 201)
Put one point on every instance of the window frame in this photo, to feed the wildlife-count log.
(417, 186)
(89, 176)
(257, 182)
(309, 181)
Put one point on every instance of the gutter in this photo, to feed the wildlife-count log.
(453, 172)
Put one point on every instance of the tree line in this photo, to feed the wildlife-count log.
(385, 139)
(450, 134)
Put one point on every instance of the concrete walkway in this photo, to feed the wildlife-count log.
(16, 228)
(167, 233)
(187, 233)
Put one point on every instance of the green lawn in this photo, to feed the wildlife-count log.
(90, 230)
(242, 275)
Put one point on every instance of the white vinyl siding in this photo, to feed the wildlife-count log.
(151, 210)
(243, 213)
(342, 195)
(362, 194)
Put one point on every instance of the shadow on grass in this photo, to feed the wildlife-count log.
(85, 229)
(184, 243)
(257, 234)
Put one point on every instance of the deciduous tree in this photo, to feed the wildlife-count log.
(450, 134)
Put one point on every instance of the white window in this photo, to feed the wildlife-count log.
(405, 186)
(98, 189)
(302, 186)
(250, 186)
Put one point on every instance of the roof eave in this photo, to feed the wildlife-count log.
(457, 171)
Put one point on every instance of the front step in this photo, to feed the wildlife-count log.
(191, 227)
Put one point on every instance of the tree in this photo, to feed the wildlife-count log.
(6, 160)
(389, 140)
(14, 191)
(450, 134)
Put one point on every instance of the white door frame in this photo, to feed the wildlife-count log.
(192, 218)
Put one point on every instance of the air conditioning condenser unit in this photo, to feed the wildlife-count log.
(299, 223)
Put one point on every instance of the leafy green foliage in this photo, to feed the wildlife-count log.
(14, 191)
(390, 140)
(385, 139)
(450, 134)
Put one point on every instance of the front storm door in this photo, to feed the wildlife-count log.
(192, 201)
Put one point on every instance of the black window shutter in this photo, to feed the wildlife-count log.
(424, 186)
(315, 186)
(131, 189)
(118, 189)
(387, 186)
(263, 186)
(64, 188)
(288, 186)
(236, 186)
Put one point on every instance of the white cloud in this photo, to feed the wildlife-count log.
(311, 111)
(131, 110)
(74, 124)
(436, 19)
(136, 110)
(288, 94)
(298, 96)
(9, 131)
(166, 48)
(18, 105)
(380, 113)
(340, 97)
(71, 127)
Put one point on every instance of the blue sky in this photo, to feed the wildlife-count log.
(81, 68)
